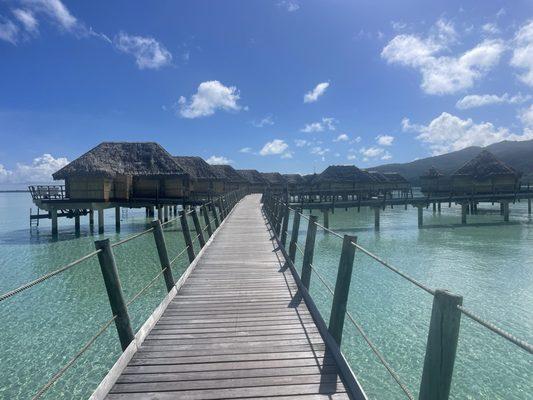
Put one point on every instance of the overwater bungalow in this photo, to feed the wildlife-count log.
(123, 171)
(434, 182)
(343, 177)
(232, 179)
(382, 185)
(398, 182)
(295, 182)
(204, 180)
(256, 182)
(309, 181)
(276, 182)
(485, 174)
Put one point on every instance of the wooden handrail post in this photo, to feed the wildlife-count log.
(342, 288)
(285, 225)
(441, 346)
(187, 235)
(198, 227)
(279, 217)
(309, 251)
(294, 236)
(163, 254)
(215, 216)
(206, 220)
(114, 292)
(221, 208)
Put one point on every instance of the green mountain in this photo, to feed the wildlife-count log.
(518, 155)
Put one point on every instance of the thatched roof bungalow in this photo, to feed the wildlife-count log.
(295, 182)
(343, 177)
(256, 182)
(434, 182)
(397, 181)
(381, 183)
(232, 179)
(276, 181)
(204, 180)
(485, 174)
(123, 171)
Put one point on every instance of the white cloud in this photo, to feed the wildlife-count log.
(443, 74)
(351, 157)
(210, 97)
(148, 52)
(40, 170)
(289, 5)
(526, 116)
(268, 120)
(327, 123)
(450, 133)
(56, 11)
(27, 19)
(475, 100)
(8, 31)
(319, 151)
(343, 137)
(245, 150)
(219, 160)
(313, 95)
(277, 146)
(301, 142)
(386, 156)
(287, 154)
(490, 28)
(523, 53)
(371, 152)
(385, 140)
(356, 139)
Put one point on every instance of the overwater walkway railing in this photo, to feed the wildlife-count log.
(219, 209)
(446, 312)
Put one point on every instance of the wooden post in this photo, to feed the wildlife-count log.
(506, 211)
(187, 235)
(215, 217)
(441, 346)
(376, 218)
(53, 214)
(529, 206)
(309, 251)
(439, 207)
(77, 224)
(159, 213)
(100, 221)
(198, 227)
(206, 219)
(420, 216)
(165, 213)
(326, 219)
(434, 207)
(342, 288)
(91, 219)
(117, 219)
(114, 292)
(464, 210)
(163, 254)
(294, 236)
(221, 209)
(285, 226)
(279, 217)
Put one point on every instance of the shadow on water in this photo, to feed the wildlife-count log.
(34, 237)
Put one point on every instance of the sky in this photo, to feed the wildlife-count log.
(281, 85)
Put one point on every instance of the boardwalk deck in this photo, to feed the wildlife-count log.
(236, 329)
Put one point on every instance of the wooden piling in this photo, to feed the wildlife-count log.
(77, 224)
(91, 219)
(464, 211)
(198, 227)
(161, 245)
(114, 292)
(376, 218)
(439, 207)
(165, 213)
(529, 206)
(160, 213)
(101, 221)
(441, 346)
(309, 251)
(53, 214)
(326, 219)
(294, 236)
(117, 219)
(506, 211)
(206, 220)
(342, 288)
(420, 216)
(215, 216)
(285, 226)
(187, 235)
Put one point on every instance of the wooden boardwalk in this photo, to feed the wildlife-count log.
(236, 329)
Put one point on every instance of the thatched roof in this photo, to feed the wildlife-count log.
(110, 159)
(395, 177)
(485, 165)
(343, 173)
(294, 179)
(197, 168)
(274, 178)
(309, 179)
(229, 174)
(378, 177)
(252, 176)
(432, 173)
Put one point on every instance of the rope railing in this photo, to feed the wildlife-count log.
(106, 259)
(441, 345)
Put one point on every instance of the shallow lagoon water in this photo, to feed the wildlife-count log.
(488, 262)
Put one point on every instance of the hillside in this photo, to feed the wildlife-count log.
(518, 155)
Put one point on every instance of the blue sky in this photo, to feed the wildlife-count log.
(289, 85)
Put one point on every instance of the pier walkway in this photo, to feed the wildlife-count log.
(237, 328)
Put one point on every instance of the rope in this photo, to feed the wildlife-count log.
(506, 335)
(60, 373)
(299, 248)
(131, 237)
(393, 269)
(47, 276)
(169, 221)
(144, 289)
(196, 238)
(179, 255)
(205, 227)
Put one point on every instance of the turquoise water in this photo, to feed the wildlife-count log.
(488, 262)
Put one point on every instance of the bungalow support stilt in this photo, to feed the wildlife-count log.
(376, 218)
(165, 213)
(464, 210)
(506, 211)
(420, 216)
(439, 207)
(326, 219)
(160, 213)
(529, 206)
(53, 214)
(100, 220)
(91, 219)
(77, 224)
(117, 219)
